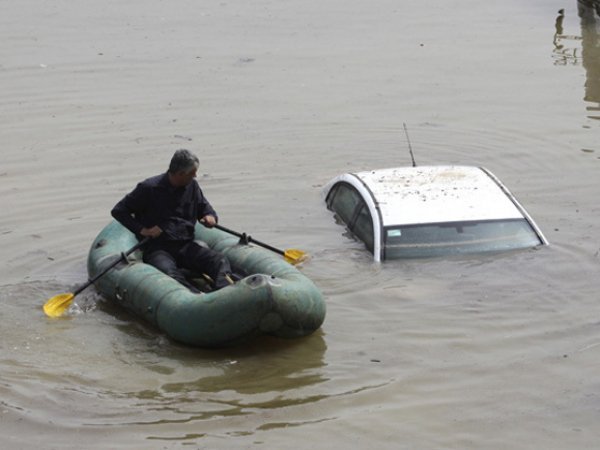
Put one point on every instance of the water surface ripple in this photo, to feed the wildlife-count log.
(277, 98)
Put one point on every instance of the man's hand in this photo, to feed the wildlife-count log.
(153, 232)
(208, 221)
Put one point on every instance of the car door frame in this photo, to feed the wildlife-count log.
(367, 200)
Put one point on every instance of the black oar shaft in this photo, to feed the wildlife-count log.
(250, 239)
(111, 265)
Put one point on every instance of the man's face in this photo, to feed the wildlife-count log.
(185, 178)
(188, 177)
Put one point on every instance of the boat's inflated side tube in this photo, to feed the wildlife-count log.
(274, 298)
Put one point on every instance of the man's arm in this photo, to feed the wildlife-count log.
(126, 209)
(206, 213)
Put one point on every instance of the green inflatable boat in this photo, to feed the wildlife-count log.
(272, 296)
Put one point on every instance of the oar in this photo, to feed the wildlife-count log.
(291, 255)
(57, 305)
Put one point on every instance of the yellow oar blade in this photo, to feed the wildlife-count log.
(57, 305)
(294, 256)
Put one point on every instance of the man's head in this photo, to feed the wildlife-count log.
(183, 167)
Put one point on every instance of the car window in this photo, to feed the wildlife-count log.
(363, 227)
(417, 241)
(347, 203)
(343, 200)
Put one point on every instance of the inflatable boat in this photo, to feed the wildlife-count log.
(270, 297)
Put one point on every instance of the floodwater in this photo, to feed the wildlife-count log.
(276, 98)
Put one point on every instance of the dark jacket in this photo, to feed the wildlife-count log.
(156, 202)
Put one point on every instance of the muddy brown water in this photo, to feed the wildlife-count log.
(277, 98)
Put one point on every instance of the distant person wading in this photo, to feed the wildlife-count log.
(166, 208)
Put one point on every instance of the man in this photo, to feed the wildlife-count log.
(166, 207)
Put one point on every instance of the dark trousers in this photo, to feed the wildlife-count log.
(171, 256)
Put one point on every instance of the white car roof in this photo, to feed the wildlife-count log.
(430, 194)
(433, 194)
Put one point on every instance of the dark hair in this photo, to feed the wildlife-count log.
(183, 161)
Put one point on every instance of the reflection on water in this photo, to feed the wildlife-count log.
(570, 49)
(589, 13)
(563, 53)
(566, 51)
(154, 379)
(286, 364)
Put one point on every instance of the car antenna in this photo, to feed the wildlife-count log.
(414, 164)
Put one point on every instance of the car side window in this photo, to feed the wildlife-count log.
(347, 203)
(343, 201)
(363, 226)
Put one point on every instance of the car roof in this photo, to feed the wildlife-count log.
(433, 194)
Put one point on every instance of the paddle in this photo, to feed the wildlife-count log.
(291, 255)
(57, 305)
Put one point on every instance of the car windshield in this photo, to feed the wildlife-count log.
(427, 240)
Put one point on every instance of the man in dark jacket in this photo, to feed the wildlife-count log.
(166, 207)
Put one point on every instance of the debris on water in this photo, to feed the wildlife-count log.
(185, 138)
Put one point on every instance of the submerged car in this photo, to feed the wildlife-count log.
(428, 211)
